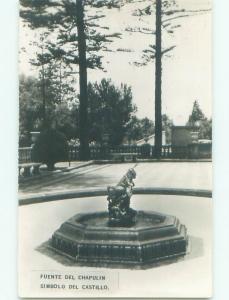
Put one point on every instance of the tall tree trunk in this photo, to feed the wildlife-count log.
(83, 109)
(44, 123)
(158, 72)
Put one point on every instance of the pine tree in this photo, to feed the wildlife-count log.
(198, 119)
(196, 116)
(166, 13)
(55, 85)
(78, 37)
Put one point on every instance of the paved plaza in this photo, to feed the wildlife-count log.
(190, 175)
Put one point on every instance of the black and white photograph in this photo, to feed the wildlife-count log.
(115, 149)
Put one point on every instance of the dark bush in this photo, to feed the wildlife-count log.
(50, 147)
(146, 150)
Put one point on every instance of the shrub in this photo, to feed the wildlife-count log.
(50, 147)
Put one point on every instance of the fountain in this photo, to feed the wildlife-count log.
(121, 236)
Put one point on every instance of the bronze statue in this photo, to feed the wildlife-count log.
(120, 213)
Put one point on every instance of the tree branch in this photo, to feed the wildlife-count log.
(192, 13)
(140, 30)
(167, 50)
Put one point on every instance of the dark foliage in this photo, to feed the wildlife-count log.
(198, 119)
(110, 110)
(50, 147)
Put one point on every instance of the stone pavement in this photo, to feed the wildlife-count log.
(193, 175)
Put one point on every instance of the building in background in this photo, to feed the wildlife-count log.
(183, 136)
(151, 140)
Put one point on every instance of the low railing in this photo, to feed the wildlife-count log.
(97, 192)
(168, 151)
(105, 152)
(25, 155)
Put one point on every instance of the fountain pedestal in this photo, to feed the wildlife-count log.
(89, 239)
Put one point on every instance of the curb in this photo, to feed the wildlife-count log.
(67, 169)
(95, 192)
(152, 160)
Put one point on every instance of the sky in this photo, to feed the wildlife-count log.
(186, 74)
